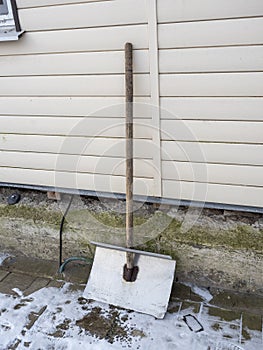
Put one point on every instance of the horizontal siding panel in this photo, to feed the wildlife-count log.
(83, 15)
(92, 39)
(212, 108)
(74, 163)
(219, 59)
(72, 63)
(237, 195)
(212, 84)
(106, 147)
(92, 85)
(33, 3)
(213, 173)
(190, 10)
(211, 33)
(93, 127)
(74, 106)
(104, 183)
(212, 153)
(213, 131)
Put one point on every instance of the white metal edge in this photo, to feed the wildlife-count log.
(135, 251)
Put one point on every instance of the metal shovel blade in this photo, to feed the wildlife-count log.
(150, 292)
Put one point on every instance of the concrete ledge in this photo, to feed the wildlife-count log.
(213, 248)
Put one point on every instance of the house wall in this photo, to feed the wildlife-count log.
(210, 61)
(200, 61)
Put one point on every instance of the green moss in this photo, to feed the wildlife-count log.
(110, 219)
(114, 220)
(87, 247)
(224, 315)
(251, 321)
(242, 237)
(246, 335)
(31, 213)
(195, 307)
(154, 246)
(231, 300)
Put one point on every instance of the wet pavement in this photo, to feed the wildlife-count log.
(237, 317)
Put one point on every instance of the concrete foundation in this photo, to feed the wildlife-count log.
(213, 248)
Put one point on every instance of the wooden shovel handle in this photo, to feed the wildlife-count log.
(129, 151)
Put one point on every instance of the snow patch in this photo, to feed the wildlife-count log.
(202, 292)
(18, 292)
(3, 257)
(49, 319)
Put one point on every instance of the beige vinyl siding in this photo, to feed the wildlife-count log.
(73, 106)
(213, 173)
(78, 40)
(62, 93)
(195, 10)
(108, 147)
(210, 65)
(212, 59)
(77, 85)
(239, 31)
(203, 192)
(212, 108)
(75, 163)
(212, 131)
(210, 152)
(81, 63)
(32, 3)
(213, 84)
(76, 106)
(92, 182)
(91, 127)
(88, 15)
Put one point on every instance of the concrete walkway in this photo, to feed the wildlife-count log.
(240, 313)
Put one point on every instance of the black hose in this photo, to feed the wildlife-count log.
(61, 230)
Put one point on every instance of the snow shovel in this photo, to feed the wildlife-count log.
(126, 277)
